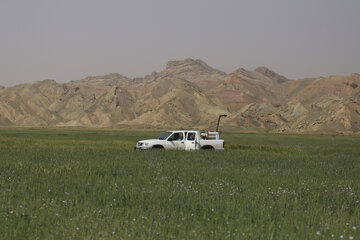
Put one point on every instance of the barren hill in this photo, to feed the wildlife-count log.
(107, 80)
(261, 76)
(189, 93)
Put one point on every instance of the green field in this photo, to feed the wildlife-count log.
(80, 184)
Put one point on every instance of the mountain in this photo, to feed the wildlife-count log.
(234, 92)
(190, 94)
(261, 76)
(315, 89)
(191, 70)
(107, 80)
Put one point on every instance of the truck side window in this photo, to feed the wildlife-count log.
(191, 136)
(176, 137)
(180, 137)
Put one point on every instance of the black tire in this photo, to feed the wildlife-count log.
(158, 147)
(207, 147)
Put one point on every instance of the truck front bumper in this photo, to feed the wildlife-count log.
(142, 148)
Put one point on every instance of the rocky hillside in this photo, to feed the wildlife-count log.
(189, 93)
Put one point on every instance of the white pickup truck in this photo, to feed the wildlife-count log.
(181, 139)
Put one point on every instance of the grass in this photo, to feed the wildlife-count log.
(72, 184)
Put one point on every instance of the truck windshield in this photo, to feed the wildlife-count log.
(164, 136)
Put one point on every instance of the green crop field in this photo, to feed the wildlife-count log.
(81, 184)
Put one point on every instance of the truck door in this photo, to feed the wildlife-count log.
(191, 140)
(176, 141)
(181, 143)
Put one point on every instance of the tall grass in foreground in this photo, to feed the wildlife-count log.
(91, 185)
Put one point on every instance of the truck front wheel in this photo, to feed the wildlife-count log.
(158, 147)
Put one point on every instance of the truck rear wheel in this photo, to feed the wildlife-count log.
(207, 147)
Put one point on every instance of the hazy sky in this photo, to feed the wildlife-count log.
(71, 39)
